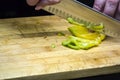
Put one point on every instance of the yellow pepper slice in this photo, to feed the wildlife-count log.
(84, 37)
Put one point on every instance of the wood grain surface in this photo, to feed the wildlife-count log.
(26, 52)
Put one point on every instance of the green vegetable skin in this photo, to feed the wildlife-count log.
(82, 37)
(53, 46)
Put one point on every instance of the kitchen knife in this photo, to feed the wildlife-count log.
(84, 14)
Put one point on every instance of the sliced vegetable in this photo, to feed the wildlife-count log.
(97, 28)
(70, 20)
(81, 43)
(61, 34)
(84, 37)
(53, 46)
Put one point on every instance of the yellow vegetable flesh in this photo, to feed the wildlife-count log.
(84, 37)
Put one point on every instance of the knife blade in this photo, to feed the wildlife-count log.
(84, 14)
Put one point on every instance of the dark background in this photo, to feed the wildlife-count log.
(19, 8)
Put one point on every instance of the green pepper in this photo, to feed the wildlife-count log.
(84, 37)
(70, 20)
(81, 43)
(96, 28)
(83, 32)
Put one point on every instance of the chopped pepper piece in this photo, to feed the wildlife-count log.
(53, 46)
(83, 32)
(81, 43)
(96, 28)
(84, 37)
(70, 20)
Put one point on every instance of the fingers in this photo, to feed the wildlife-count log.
(43, 3)
(99, 5)
(32, 2)
(111, 7)
(117, 15)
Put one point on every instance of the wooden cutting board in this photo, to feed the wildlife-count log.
(26, 52)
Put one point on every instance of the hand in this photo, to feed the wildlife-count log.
(109, 7)
(41, 3)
